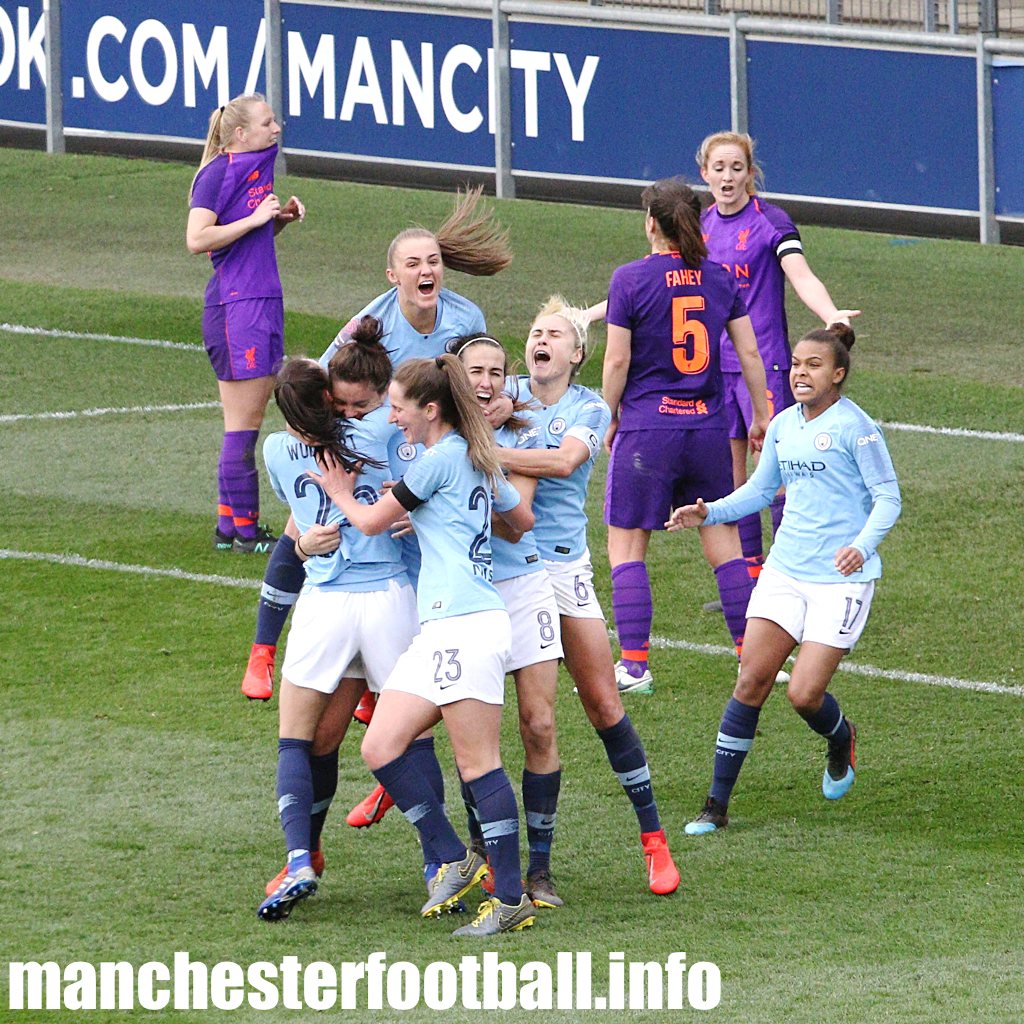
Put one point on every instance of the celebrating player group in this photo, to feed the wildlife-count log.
(437, 537)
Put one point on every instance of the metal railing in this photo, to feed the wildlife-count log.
(1004, 17)
(983, 47)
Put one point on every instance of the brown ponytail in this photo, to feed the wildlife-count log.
(675, 208)
(302, 394)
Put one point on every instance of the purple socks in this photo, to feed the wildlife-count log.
(239, 483)
(631, 606)
(735, 587)
(750, 536)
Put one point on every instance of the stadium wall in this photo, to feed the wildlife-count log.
(909, 132)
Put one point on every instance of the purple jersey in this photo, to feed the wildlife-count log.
(750, 245)
(232, 185)
(677, 315)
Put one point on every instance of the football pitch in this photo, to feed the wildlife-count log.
(139, 812)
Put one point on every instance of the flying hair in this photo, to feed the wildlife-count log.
(470, 239)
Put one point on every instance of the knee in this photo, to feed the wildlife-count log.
(329, 734)
(805, 701)
(752, 687)
(537, 728)
(376, 750)
(605, 711)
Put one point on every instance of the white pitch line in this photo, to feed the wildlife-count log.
(44, 332)
(861, 670)
(185, 407)
(984, 435)
(656, 641)
(140, 570)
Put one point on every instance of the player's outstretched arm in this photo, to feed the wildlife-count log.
(813, 294)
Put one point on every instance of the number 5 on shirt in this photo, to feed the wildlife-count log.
(690, 349)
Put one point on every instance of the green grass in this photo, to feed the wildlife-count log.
(139, 815)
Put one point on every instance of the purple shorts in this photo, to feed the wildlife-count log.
(245, 339)
(651, 472)
(739, 410)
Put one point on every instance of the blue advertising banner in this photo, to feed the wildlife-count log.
(849, 123)
(876, 125)
(1008, 133)
(158, 67)
(388, 84)
(584, 104)
(418, 87)
(22, 62)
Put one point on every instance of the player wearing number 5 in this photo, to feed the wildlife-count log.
(817, 583)
(668, 437)
(455, 669)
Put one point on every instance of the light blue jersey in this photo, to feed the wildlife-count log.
(456, 316)
(561, 528)
(449, 502)
(360, 563)
(512, 560)
(402, 455)
(841, 491)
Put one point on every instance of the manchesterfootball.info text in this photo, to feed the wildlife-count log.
(479, 982)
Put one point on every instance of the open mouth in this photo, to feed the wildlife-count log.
(483, 397)
(425, 287)
(541, 357)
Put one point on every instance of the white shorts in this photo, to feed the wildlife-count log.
(356, 669)
(458, 658)
(533, 611)
(573, 583)
(832, 614)
(331, 628)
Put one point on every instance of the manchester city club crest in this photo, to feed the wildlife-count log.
(557, 425)
(823, 442)
(407, 452)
